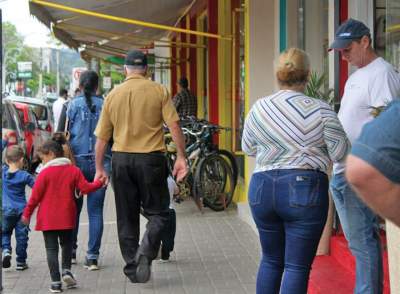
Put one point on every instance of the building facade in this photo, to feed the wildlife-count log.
(229, 76)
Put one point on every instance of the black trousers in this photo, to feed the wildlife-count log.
(140, 180)
(168, 236)
(52, 240)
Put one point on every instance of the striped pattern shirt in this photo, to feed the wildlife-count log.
(289, 130)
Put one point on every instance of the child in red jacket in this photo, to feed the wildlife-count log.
(56, 215)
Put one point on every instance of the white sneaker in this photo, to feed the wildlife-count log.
(69, 280)
(164, 260)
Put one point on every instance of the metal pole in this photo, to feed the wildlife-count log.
(58, 70)
(39, 93)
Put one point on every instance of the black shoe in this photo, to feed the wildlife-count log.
(7, 260)
(21, 266)
(69, 279)
(164, 255)
(91, 264)
(143, 270)
(56, 287)
(130, 272)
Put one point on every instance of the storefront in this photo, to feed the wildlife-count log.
(387, 43)
(276, 25)
(216, 70)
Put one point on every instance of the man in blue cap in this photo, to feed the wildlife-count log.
(374, 84)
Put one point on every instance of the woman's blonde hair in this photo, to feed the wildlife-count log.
(292, 67)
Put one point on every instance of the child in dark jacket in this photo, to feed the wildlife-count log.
(14, 201)
(56, 215)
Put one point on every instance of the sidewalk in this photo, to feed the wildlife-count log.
(214, 253)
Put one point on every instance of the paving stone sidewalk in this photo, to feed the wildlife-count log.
(215, 252)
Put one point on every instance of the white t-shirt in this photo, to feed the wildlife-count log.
(376, 84)
(171, 188)
(57, 108)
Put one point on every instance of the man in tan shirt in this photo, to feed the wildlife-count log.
(133, 115)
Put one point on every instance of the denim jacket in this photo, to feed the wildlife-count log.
(81, 125)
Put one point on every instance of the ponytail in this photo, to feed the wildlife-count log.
(88, 82)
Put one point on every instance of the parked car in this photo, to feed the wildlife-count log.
(34, 136)
(42, 111)
(12, 127)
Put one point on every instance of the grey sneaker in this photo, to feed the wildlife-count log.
(69, 279)
(91, 264)
(6, 260)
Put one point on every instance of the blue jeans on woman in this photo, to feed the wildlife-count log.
(95, 205)
(290, 208)
(361, 229)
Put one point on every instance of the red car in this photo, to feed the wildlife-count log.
(33, 135)
(12, 129)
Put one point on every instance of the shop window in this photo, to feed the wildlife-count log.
(387, 30)
(307, 28)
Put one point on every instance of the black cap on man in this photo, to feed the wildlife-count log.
(136, 58)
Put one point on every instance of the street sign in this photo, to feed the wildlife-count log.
(24, 75)
(76, 74)
(25, 66)
(24, 69)
(106, 82)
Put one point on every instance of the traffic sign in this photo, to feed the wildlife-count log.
(24, 69)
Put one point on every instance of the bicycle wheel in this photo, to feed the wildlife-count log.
(185, 187)
(214, 182)
(230, 158)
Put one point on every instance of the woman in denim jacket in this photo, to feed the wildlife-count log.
(83, 114)
(294, 139)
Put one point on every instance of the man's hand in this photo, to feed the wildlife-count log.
(180, 169)
(100, 150)
(101, 175)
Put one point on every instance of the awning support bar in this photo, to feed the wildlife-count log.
(129, 21)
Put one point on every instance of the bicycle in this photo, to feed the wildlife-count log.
(213, 172)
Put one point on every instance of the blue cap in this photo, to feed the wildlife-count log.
(347, 32)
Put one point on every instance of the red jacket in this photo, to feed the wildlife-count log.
(53, 192)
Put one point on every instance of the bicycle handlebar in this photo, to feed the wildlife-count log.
(196, 134)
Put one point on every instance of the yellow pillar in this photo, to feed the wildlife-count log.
(224, 74)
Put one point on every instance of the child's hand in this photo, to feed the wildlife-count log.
(104, 181)
(25, 221)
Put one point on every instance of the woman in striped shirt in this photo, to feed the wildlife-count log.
(294, 138)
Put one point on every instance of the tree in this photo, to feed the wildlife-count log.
(12, 44)
(14, 51)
